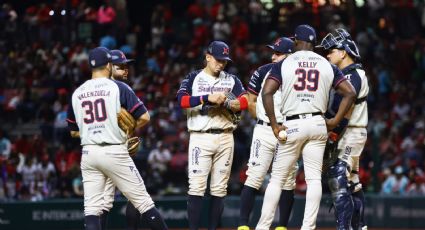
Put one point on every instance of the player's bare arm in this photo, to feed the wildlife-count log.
(349, 96)
(252, 104)
(143, 120)
(75, 134)
(238, 104)
(217, 98)
(269, 89)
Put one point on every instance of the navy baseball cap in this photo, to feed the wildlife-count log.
(99, 56)
(118, 57)
(219, 50)
(282, 45)
(305, 33)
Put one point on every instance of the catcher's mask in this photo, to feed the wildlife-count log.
(342, 40)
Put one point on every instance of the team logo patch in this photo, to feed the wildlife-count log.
(225, 50)
(195, 155)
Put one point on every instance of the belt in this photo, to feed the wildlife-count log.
(261, 122)
(215, 131)
(302, 116)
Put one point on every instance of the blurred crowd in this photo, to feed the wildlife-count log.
(43, 58)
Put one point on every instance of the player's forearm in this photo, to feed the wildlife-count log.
(252, 109)
(346, 103)
(268, 104)
(348, 97)
(75, 134)
(238, 104)
(143, 120)
(252, 104)
(187, 101)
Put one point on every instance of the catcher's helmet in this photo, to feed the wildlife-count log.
(341, 40)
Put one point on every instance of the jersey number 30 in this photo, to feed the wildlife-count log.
(95, 110)
(307, 79)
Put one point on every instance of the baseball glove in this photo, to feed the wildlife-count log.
(126, 121)
(235, 117)
(133, 146)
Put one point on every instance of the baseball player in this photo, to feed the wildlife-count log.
(347, 194)
(120, 73)
(306, 79)
(207, 95)
(94, 117)
(264, 143)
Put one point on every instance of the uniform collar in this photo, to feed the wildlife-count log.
(351, 67)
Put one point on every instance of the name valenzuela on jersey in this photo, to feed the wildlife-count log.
(97, 93)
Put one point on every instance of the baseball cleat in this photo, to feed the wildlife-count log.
(243, 227)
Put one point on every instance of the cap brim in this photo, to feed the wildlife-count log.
(271, 47)
(123, 62)
(222, 58)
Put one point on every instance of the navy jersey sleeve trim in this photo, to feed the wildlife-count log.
(238, 89)
(257, 78)
(276, 72)
(250, 90)
(353, 76)
(186, 85)
(130, 101)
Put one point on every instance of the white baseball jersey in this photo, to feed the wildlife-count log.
(255, 86)
(105, 160)
(94, 109)
(199, 83)
(306, 79)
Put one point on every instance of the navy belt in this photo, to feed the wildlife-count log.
(261, 122)
(215, 131)
(303, 115)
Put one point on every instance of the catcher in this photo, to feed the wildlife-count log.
(347, 141)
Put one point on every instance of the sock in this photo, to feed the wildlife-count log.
(194, 209)
(285, 206)
(216, 209)
(154, 219)
(104, 220)
(132, 216)
(247, 203)
(92, 222)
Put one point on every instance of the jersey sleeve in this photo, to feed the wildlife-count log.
(130, 101)
(257, 78)
(276, 72)
(356, 81)
(238, 89)
(70, 118)
(338, 76)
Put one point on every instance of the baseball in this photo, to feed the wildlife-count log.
(283, 135)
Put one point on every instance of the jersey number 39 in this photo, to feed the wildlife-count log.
(307, 79)
(95, 110)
